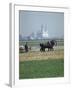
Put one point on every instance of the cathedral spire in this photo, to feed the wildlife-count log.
(44, 31)
(45, 27)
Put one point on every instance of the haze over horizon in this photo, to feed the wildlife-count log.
(31, 21)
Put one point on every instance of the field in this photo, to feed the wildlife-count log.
(36, 64)
(60, 42)
(42, 69)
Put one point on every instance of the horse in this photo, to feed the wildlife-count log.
(48, 45)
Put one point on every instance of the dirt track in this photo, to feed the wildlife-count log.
(57, 54)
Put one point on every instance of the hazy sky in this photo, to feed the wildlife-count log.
(31, 21)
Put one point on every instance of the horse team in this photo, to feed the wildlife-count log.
(49, 45)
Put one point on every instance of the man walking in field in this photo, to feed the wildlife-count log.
(26, 47)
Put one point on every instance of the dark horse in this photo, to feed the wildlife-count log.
(48, 45)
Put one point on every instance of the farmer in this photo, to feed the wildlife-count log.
(26, 47)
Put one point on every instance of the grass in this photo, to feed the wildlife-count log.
(41, 69)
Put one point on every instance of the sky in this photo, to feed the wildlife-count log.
(31, 21)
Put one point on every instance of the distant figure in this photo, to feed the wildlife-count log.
(26, 47)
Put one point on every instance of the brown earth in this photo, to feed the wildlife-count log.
(37, 55)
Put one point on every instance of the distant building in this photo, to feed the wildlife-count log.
(32, 36)
(43, 33)
(40, 34)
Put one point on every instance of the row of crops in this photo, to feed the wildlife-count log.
(60, 42)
